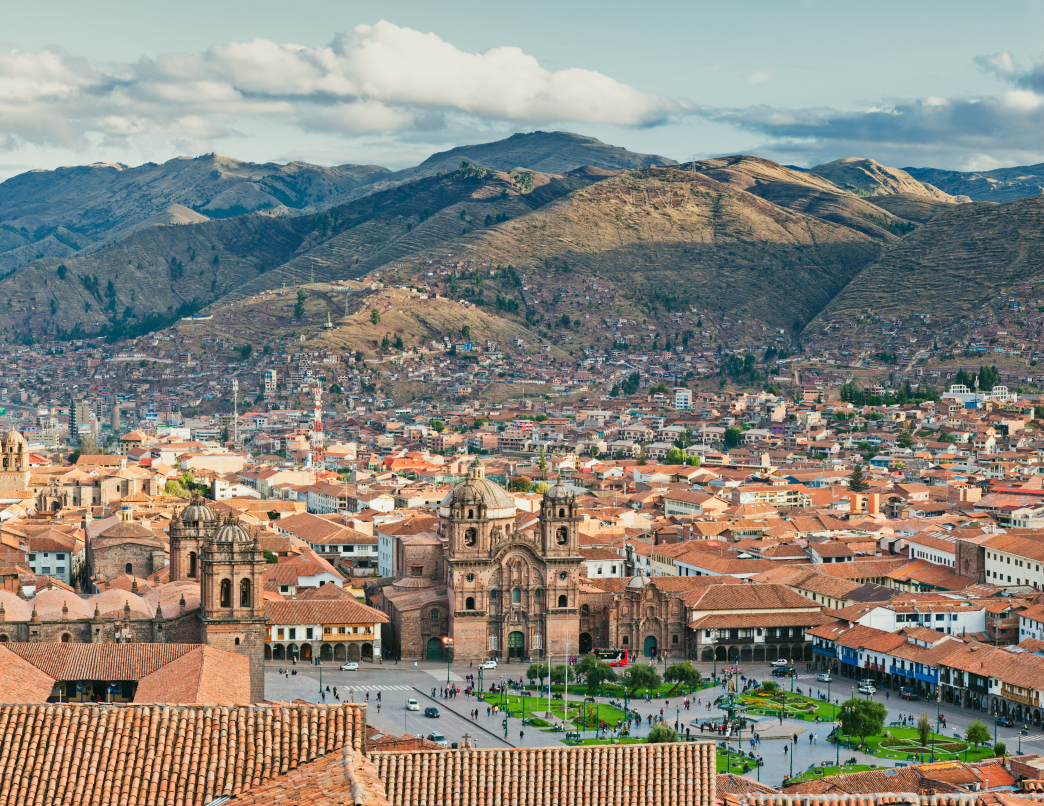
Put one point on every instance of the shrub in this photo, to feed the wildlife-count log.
(661, 733)
(1001, 750)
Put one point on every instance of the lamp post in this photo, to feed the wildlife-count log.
(447, 650)
(714, 651)
(319, 663)
(830, 702)
(938, 720)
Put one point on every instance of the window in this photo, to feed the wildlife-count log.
(66, 638)
(293, 633)
(563, 536)
(516, 596)
(471, 513)
(226, 593)
(626, 640)
(59, 570)
(434, 616)
(417, 570)
(192, 565)
(563, 601)
(59, 556)
(561, 512)
(469, 603)
(244, 593)
(493, 594)
(340, 630)
(674, 639)
(129, 568)
(308, 633)
(614, 569)
(470, 536)
(237, 642)
(279, 633)
(585, 610)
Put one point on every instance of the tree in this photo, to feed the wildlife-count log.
(905, 439)
(856, 482)
(733, 436)
(541, 487)
(270, 557)
(924, 729)
(863, 717)
(558, 674)
(375, 317)
(661, 734)
(642, 675)
(1000, 750)
(675, 457)
(246, 350)
(538, 671)
(521, 484)
(977, 734)
(465, 332)
(641, 456)
(595, 672)
(437, 426)
(224, 434)
(299, 305)
(684, 673)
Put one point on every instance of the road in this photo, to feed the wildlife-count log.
(396, 683)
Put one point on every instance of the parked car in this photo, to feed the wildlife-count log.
(412, 705)
(824, 678)
(865, 689)
(350, 666)
(908, 694)
(488, 664)
(784, 673)
(431, 712)
(781, 662)
(438, 738)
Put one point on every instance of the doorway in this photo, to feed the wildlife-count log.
(516, 645)
(650, 646)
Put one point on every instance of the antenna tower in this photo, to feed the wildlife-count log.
(318, 455)
(235, 411)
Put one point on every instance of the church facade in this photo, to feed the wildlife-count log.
(501, 593)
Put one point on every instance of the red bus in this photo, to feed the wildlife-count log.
(613, 657)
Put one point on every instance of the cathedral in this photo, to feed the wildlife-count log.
(497, 592)
(215, 596)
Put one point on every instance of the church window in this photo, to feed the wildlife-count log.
(493, 594)
(563, 601)
(563, 536)
(192, 565)
(244, 593)
(417, 571)
(237, 642)
(516, 595)
(626, 640)
(469, 603)
(66, 638)
(434, 616)
(226, 593)
(470, 535)
(561, 513)
(674, 639)
(129, 568)
(538, 594)
(585, 610)
(471, 513)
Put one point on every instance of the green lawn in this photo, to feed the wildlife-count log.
(625, 740)
(822, 772)
(737, 763)
(905, 742)
(606, 713)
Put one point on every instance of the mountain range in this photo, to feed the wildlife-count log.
(129, 249)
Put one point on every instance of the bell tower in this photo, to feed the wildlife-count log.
(189, 530)
(231, 567)
(559, 523)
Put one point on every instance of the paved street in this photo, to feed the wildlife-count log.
(398, 682)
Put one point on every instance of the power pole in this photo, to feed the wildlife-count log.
(235, 411)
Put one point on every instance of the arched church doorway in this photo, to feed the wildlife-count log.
(516, 645)
(434, 649)
(650, 646)
(585, 643)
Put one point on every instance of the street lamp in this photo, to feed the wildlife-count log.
(714, 650)
(938, 720)
(447, 650)
(319, 663)
(830, 702)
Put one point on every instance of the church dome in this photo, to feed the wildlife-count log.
(637, 583)
(197, 513)
(232, 532)
(560, 493)
(475, 491)
(13, 439)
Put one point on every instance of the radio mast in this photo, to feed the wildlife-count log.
(318, 455)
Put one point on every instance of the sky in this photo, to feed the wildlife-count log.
(953, 84)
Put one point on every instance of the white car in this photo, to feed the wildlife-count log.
(780, 662)
(824, 678)
(867, 690)
(439, 739)
(350, 666)
(412, 705)
(489, 664)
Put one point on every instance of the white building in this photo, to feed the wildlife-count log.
(683, 399)
(1014, 562)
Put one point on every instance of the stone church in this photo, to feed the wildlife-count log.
(499, 592)
(215, 596)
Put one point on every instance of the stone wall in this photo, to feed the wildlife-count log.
(111, 561)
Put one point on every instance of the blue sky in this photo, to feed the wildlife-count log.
(947, 84)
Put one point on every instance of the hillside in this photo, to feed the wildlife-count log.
(162, 270)
(952, 264)
(673, 238)
(999, 185)
(866, 177)
(58, 213)
(912, 207)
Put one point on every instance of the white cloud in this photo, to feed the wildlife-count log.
(373, 78)
(759, 77)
